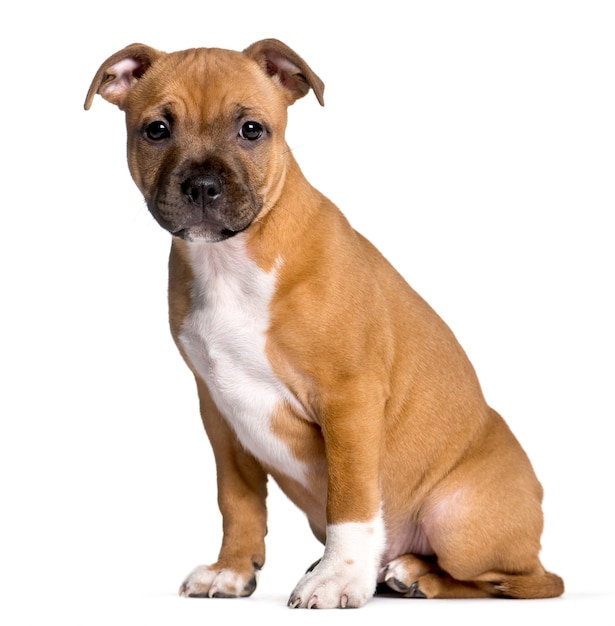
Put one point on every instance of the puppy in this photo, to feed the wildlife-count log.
(315, 363)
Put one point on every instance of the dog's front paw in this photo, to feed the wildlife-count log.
(330, 588)
(212, 582)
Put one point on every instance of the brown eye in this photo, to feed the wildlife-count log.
(157, 131)
(251, 131)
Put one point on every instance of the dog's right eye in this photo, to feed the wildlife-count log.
(157, 131)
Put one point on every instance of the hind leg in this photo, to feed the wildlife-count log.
(485, 555)
(484, 522)
(416, 577)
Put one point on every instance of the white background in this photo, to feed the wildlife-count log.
(473, 142)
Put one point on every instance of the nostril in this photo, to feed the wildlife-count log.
(202, 189)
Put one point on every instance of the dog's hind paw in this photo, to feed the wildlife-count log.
(403, 575)
(411, 591)
(211, 582)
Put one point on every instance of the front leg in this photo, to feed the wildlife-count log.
(346, 575)
(242, 493)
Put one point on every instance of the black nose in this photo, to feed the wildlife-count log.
(202, 190)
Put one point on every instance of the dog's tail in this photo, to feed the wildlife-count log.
(545, 585)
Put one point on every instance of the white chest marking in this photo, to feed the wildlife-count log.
(224, 337)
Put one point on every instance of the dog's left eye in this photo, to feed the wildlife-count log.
(251, 131)
(157, 131)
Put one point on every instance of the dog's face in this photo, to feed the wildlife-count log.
(206, 143)
(206, 130)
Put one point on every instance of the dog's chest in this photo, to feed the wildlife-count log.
(224, 336)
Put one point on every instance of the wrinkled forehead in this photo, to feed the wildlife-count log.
(209, 84)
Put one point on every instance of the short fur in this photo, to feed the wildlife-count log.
(315, 362)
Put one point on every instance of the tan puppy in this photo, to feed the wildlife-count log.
(315, 362)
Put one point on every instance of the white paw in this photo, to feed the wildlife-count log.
(207, 582)
(333, 587)
(346, 575)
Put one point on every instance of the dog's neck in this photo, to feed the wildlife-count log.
(298, 212)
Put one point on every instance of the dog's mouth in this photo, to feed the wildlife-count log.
(207, 231)
(199, 225)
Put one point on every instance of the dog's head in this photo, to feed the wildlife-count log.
(206, 128)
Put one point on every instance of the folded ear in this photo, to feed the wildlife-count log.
(286, 66)
(120, 72)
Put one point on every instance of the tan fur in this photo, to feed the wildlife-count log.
(392, 415)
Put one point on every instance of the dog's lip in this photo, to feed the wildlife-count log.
(207, 230)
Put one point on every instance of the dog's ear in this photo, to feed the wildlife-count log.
(292, 72)
(120, 72)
